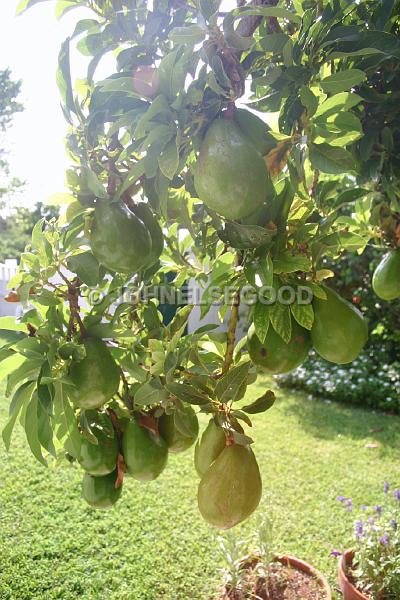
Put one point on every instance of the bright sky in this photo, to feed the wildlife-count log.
(29, 45)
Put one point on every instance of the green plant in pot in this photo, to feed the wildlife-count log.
(371, 569)
(264, 574)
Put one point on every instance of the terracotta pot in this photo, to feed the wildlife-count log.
(348, 590)
(300, 565)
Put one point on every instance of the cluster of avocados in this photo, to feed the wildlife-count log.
(231, 178)
(338, 334)
(125, 240)
(230, 486)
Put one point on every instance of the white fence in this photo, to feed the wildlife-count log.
(7, 270)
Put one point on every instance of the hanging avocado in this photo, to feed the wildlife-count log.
(340, 331)
(386, 279)
(96, 377)
(230, 175)
(143, 212)
(208, 447)
(100, 492)
(119, 239)
(274, 354)
(230, 490)
(99, 459)
(179, 439)
(145, 453)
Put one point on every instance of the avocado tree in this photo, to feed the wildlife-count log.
(175, 171)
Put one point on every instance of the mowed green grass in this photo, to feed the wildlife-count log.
(154, 544)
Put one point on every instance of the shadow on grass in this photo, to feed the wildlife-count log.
(329, 420)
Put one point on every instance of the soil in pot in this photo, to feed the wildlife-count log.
(274, 582)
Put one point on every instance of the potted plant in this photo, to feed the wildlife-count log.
(263, 574)
(371, 569)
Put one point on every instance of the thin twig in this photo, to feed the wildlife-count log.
(231, 334)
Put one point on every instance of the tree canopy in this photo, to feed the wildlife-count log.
(173, 175)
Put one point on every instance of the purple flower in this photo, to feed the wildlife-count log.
(393, 524)
(364, 507)
(396, 494)
(336, 553)
(359, 529)
(386, 487)
(340, 498)
(378, 509)
(371, 521)
(385, 539)
(349, 504)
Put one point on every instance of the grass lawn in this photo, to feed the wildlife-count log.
(154, 545)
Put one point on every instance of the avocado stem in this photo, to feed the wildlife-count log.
(231, 334)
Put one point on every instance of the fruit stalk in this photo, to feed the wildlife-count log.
(231, 334)
(121, 467)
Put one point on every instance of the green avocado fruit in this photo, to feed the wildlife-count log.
(386, 278)
(230, 490)
(119, 239)
(339, 331)
(209, 447)
(274, 354)
(179, 431)
(255, 130)
(96, 377)
(145, 453)
(100, 492)
(99, 459)
(143, 211)
(230, 176)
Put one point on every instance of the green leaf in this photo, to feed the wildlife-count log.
(8, 337)
(337, 103)
(208, 8)
(10, 324)
(21, 397)
(63, 77)
(29, 369)
(45, 431)
(245, 236)
(342, 81)
(304, 314)
(25, 4)
(331, 159)
(93, 183)
(309, 100)
(86, 266)
(288, 263)
(179, 322)
(261, 320)
(192, 34)
(260, 273)
(10, 364)
(132, 176)
(267, 11)
(186, 427)
(187, 393)
(59, 199)
(281, 320)
(168, 161)
(149, 393)
(31, 426)
(265, 402)
(232, 386)
(274, 42)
